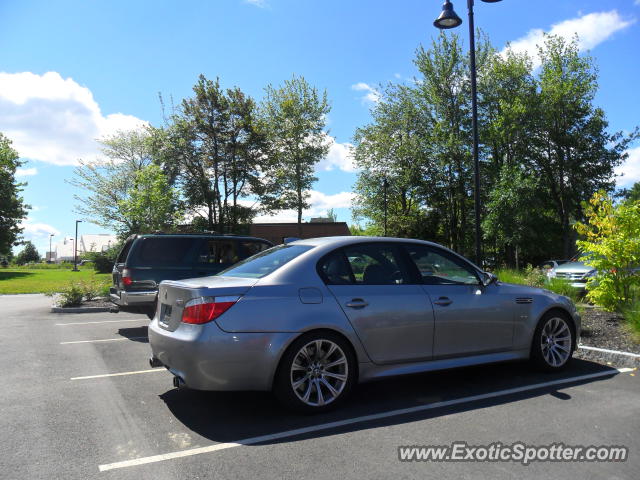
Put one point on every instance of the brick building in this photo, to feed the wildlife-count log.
(277, 232)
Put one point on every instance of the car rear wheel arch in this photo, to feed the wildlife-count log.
(318, 330)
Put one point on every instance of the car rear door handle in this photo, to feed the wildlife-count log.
(444, 301)
(357, 303)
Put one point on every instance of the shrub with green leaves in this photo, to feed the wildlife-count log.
(71, 295)
(611, 245)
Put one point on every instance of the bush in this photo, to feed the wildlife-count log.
(103, 261)
(612, 247)
(71, 295)
(74, 293)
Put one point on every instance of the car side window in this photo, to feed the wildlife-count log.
(439, 268)
(220, 252)
(335, 270)
(376, 264)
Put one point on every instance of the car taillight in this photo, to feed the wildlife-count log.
(126, 277)
(203, 310)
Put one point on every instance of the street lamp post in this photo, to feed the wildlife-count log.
(50, 237)
(385, 186)
(449, 19)
(75, 248)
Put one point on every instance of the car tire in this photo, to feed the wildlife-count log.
(312, 382)
(554, 335)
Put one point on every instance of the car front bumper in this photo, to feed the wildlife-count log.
(205, 357)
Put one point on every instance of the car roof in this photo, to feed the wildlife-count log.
(336, 242)
(348, 240)
(198, 235)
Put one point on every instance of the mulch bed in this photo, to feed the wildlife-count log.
(607, 330)
(99, 302)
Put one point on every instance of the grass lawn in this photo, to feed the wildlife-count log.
(25, 280)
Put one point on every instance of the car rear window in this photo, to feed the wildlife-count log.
(122, 256)
(266, 262)
(163, 251)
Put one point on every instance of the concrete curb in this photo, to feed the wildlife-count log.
(80, 309)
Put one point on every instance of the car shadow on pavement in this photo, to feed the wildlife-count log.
(232, 417)
(135, 334)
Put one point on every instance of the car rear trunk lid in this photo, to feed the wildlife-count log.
(174, 295)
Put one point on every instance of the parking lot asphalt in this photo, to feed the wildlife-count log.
(57, 423)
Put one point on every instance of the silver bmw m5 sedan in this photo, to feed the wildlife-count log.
(312, 318)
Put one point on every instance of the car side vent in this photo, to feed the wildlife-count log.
(524, 300)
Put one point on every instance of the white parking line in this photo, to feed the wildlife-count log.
(119, 374)
(103, 321)
(350, 421)
(606, 350)
(105, 340)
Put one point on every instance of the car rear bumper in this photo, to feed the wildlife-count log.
(206, 358)
(133, 299)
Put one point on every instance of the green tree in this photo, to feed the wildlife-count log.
(611, 242)
(109, 181)
(394, 164)
(12, 206)
(631, 194)
(215, 148)
(574, 155)
(292, 120)
(151, 203)
(29, 254)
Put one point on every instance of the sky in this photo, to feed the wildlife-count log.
(75, 71)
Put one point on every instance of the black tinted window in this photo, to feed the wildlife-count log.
(122, 256)
(220, 252)
(375, 264)
(439, 268)
(368, 264)
(335, 270)
(163, 251)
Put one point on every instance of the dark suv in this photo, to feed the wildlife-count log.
(146, 260)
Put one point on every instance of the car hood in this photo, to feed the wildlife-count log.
(573, 267)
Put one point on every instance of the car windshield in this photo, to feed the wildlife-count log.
(266, 262)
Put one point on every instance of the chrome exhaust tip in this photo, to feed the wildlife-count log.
(178, 382)
(154, 362)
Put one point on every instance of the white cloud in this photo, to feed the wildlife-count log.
(372, 95)
(629, 171)
(35, 231)
(257, 3)
(339, 157)
(320, 203)
(26, 172)
(53, 119)
(592, 29)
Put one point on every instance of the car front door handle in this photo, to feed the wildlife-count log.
(357, 303)
(444, 301)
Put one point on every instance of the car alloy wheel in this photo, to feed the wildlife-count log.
(555, 341)
(319, 372)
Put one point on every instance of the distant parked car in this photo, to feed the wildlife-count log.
(146, 260)
(310, 319)
(576, 272)
(552, 264)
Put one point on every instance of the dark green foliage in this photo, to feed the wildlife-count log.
(12, 207)
(29, 254)
(544, 148)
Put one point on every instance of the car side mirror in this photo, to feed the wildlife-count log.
(488, 278)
